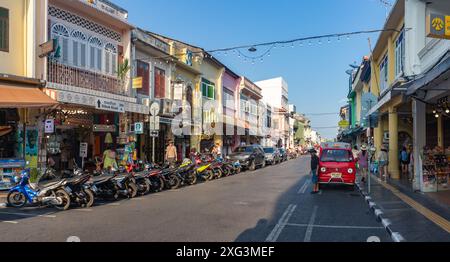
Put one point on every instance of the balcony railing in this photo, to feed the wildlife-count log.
(71, 76)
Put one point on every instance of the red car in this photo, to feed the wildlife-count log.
(337, 165)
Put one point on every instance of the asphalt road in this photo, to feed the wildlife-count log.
(271, 204)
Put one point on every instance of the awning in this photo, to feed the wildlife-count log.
(13, 96)
(441, 71)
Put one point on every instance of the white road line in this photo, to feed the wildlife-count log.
(26, 214)
(273, 236)
(10, 222)
(332, 226)
(310, 227)
(113, 204)
(302, 190)
(83, 209)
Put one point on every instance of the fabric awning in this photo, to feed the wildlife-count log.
(13, 96)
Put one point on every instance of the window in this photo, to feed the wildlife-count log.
(61, 35)
(95, 53)
(78, 49)
(4, 30)
(110, 59)
(228, 99)
(208, 89)
(399, 54)
(143, 70)
(160, 83)
(269, 119)
(384, 74)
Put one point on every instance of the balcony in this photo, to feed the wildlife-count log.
(71, 76)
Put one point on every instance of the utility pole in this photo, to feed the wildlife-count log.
(154, 126)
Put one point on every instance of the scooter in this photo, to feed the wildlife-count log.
(186, 172)
(52, 194)
(113, 185)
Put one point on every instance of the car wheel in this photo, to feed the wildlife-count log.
(252, 166)
(263, 165)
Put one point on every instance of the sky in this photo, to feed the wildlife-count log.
(318, 84)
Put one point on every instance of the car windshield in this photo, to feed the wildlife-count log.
(268, 150)
(245, 149)
(333, 155)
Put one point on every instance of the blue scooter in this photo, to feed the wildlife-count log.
(53, 194)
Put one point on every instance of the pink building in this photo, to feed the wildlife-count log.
(231, 82)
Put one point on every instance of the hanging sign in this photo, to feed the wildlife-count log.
(438, 26)
(110, 105)
(344, 124)
(49, 126)
(137, 82)
(83, 150)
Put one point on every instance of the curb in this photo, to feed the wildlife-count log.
(396, 236)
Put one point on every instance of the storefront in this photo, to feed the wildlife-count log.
(22, 106)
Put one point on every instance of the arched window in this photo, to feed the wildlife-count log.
(110, 59)
(78, 48)
(61, 34)
(95, 53)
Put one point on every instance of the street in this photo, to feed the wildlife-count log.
(273, 204)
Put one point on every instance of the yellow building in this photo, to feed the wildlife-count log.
(394, 128)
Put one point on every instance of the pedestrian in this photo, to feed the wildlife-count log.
(314, 169)
(109, 159)
(171, 154)
(355, 152)
(383, 163)
(363, 162)
(404, 160)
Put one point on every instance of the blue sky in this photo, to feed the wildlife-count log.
(315, 74)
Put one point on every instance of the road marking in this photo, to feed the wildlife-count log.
(83, 209)
(310, 227)
(304, 187)
(320, 192)
(113, 204)
(26, 214)
(10, 222)
(373, 239)
(273, 236)
(435, 218)
(73, 239)
(332, 226)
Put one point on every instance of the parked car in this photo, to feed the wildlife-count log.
(283, 154)
(337, 165)
(272, 155)
(250, 157)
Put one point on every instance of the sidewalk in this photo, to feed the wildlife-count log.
(410, 216)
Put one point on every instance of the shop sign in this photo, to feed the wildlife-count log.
(438, 26)
(138, 128)
(344, 124)
(104, 128)
(49, 126)
(47, 48)
(178, 92)
(110, 105)
(154, 133)
(83, 150)
(137, 82)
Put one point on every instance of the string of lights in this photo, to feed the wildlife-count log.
(245, 51)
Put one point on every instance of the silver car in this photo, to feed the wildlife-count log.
(272, 155)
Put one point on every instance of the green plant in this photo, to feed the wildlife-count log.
(34, 175)
(123, 69)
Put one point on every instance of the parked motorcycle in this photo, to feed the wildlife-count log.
(186, 172)
(52, 194)
(113, 185)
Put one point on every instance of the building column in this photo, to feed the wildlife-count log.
(393, 144)
(440, 130)
(378, 134)
(419, 140)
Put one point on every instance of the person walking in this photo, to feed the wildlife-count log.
(404, 160)
(383, 163)
(363, 162)
(314, 170)
(171, 154)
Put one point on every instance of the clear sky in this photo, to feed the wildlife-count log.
(315, 74)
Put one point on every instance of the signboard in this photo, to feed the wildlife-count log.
(47, 48)
(438, 26)
(344, 124)
(154, 133)
(137, 82)
(138, 128)
(154, 123)
(83, 150)
(104, 128)
(49, 126)
(178, 92)
(110, 105)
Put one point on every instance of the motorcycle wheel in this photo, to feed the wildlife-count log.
(147, 186)
(218, 173)
(174, 181)
(252, 166)
(65, 200)
(132, 190)
(191, 178)
(238, 170)
(89, 198)
(160, 184)
(16, 199)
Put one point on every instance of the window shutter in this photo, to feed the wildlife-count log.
(162, 83)
(92, 57)
(65, 49)
(83, 55)
(99, 59)
(114, 64)
(107, 62)
(146, 79)
(75, 53)
(157, 83)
